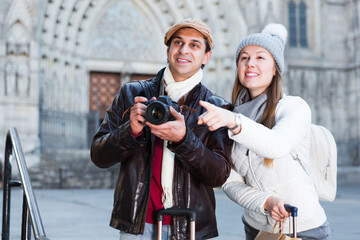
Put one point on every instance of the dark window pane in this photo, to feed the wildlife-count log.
(292, 24)
(302, 27)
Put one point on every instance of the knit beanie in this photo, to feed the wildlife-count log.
(273, 38)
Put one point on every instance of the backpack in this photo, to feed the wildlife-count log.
(322, 167)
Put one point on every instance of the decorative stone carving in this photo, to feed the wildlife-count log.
(10, 79)
(23, 79)
(124, 34)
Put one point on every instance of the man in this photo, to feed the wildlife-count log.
(174, 164)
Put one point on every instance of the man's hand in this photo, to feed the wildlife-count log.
(275, 207)
(173, 131)
(137, 115)
(216, 117)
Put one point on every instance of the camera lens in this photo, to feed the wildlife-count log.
(157, 113)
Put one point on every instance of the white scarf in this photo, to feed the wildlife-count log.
(175, 90)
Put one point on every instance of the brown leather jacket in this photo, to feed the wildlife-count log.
(202, 162)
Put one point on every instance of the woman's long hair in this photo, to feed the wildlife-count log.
(274, 94)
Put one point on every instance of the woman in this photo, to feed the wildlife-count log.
(266, 125)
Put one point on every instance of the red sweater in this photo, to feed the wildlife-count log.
(155, 185)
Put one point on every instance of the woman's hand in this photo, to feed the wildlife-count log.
(216, 117)
(276, 209)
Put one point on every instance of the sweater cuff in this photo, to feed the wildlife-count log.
(262, 209)
(174, 145)
(135, 135)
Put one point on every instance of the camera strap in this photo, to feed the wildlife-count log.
(147, 95)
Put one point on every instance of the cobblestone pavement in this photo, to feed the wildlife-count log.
(80, 214)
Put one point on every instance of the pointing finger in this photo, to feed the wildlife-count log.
(200, 119)
(207, 105)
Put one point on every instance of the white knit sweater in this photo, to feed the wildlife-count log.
(252, 183)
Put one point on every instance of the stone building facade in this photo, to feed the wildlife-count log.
(62, 61)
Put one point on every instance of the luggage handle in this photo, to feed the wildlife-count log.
(291, 209)
(293, 212)
(176, 211)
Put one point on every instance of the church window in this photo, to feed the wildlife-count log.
(297, 24)
(292, 24)
(302, 25)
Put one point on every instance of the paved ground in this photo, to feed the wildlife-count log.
(84, 214)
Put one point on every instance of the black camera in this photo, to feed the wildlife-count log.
(158, 112)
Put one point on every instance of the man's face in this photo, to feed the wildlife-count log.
(186, 53)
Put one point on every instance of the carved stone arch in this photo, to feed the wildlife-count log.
(156, 17)
(19, 11)
(17, 33)
(17, 72)
(125, 32)
(187, 8)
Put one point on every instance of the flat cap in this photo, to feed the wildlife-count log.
(190, 23)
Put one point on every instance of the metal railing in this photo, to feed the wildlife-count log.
(30, 211)
(67, 130)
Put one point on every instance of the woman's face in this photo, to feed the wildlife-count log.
(256, 69)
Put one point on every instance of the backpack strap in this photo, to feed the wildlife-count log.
(295, 156)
